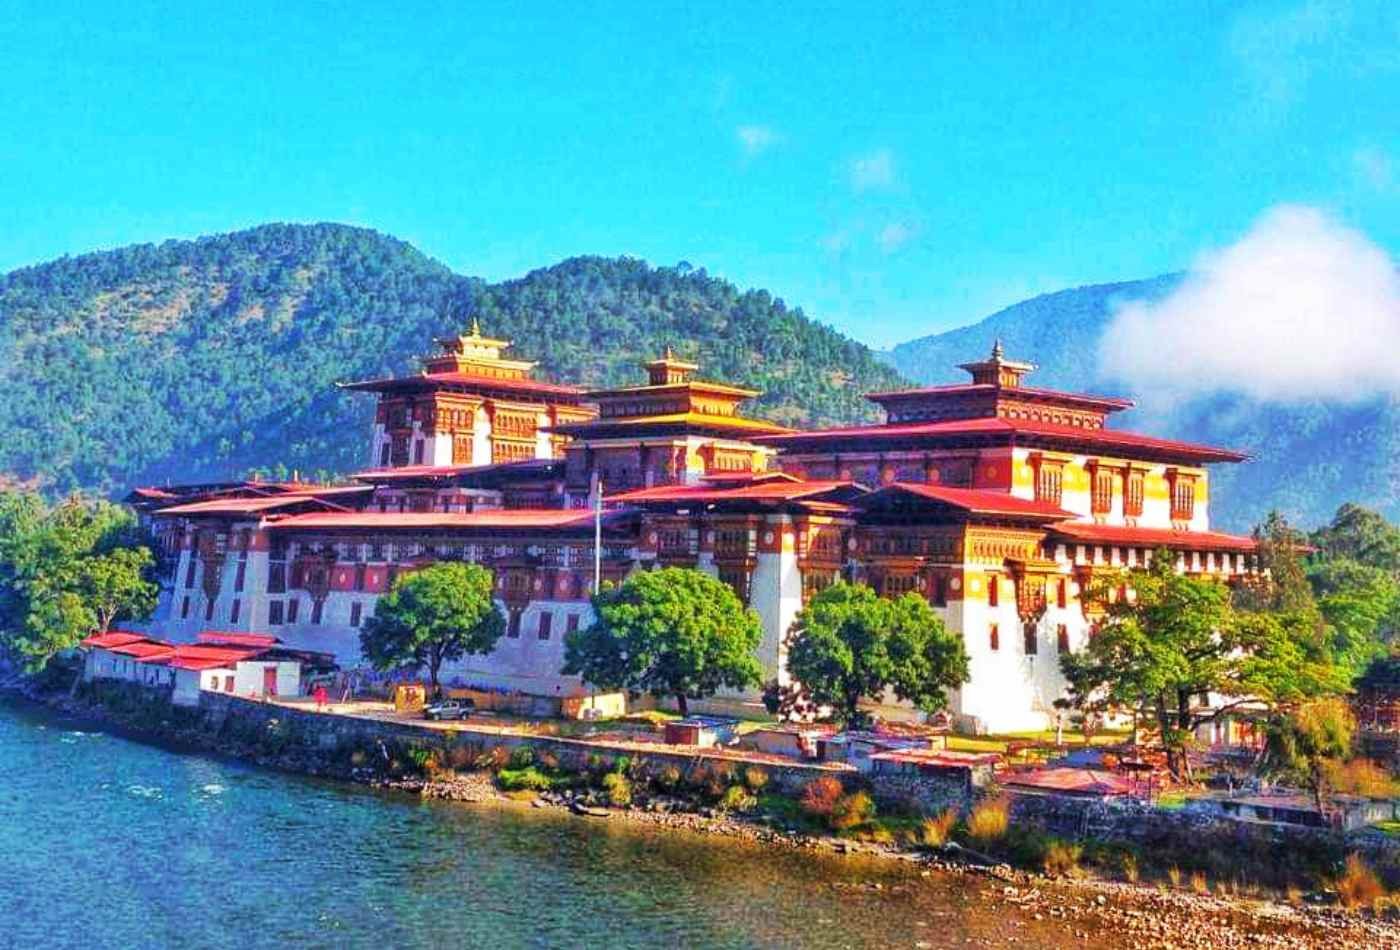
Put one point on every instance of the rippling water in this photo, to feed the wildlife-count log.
(110, 843)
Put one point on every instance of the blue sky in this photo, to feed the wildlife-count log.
(895, 169)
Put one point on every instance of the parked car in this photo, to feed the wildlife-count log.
(449, 709)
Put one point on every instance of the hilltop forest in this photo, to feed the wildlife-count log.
(206, 359)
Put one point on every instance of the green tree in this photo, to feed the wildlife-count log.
(671, 632)
(432, 616)
(850, 644)
(1301, 744)
(66, 570)
(114, 585)
(1179, 637)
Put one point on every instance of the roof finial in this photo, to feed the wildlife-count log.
(996, 349)
(670, 355)
(476, 327)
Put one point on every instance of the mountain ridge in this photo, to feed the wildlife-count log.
(208, 357)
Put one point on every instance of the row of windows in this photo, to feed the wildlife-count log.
(544, 628)
(1030, 638)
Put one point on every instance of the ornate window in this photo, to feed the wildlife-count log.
(1049, 483)
(814, 582)
(1031, 641)
(1062, 638)
(994, 637)
(1183, 498)
(1133, 494)
(1103, 492)
(993, 591)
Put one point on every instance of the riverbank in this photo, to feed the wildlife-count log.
(1153, 916)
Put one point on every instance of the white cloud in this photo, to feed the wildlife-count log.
(1300, 308)
(895, 235)
(756, 139)
(1375, 169)
(872, 171)
(837, 242)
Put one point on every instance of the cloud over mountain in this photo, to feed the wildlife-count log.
(1301, 308)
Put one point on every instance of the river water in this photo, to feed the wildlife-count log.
(106, 842)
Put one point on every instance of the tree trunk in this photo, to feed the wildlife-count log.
(682, 704)
(434, 664)
(1164, 724)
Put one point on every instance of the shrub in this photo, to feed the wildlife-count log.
(1358, 885)
(1359, 777)
(461, 756)
(988, 821)
(527, 779)
(851, 810)
(1199, 884)
(618, 789)
(1061, 858)
(494, 758)
(820, 796)
(933, 832)
(669, 778)
(1174, 875)
(522, 757)
(737, 798)
(1130, 867)
(755, 778)
(547, 760)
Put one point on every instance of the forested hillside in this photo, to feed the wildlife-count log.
(204, 359)
(1308, 458)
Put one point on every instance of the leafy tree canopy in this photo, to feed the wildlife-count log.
(849, 644)
(1178, 637)
(670, 632)
(431, 616)
(65, 571)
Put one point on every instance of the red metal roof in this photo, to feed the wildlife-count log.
(430, 380)
(975, 500)
(1012, 428)
(144, 650)
(1106, 403)
(114, 638)
(938, 757)
(247, 506)
(219, 637)
(505, 518)
(774, 490)
(1088, 533)
(1071, 781)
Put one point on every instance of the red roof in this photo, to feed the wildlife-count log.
(144, 650)
(768, 490)
(430, 380)
(1071, 781)
(1088, 533)
(196, 656)
(505, 518)
(1107, 403)
(938, 757)
(974, 500)
(218, 637)
(247, 506)
(1012, 429)
(115, 638)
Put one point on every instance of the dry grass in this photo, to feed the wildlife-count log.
(852, 810)
(1174, 875)
(1294, 895)
(1062, 859)
(1130, 869)
(1199, 884)
(988, 822)
(1358, 886)
(934, 832)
